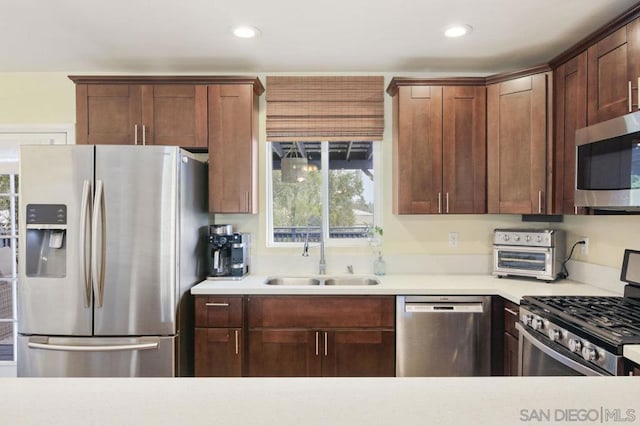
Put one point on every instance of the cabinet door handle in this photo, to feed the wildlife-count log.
(135, 134)
(317, 343)
(539, 201)
(217, 304)
(144, 134)
(237, 333)
(326, 344)
(246, 200)
(638, 104)
(511, 311)
(629, 96)
(439, 202)
(447, 203)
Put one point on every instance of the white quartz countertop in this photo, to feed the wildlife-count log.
(510, 288)
(632, 352)
(314, 401)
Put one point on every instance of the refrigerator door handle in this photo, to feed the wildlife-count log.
(85, 214)
(97, 271)
(143, 344)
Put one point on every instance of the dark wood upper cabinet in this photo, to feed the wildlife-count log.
(108, 114)
(464, 149)
(614, 74)
(439, 147)
(517, 154)
(175, 114)
(137, 114)
(417, 149)
(233, 149)
(570, 94)
(214, 113)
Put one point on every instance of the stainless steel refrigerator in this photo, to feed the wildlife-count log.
(108, 249)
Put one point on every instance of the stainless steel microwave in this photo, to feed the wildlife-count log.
(608, 164)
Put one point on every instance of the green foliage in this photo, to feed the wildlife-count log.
(297, 204)
(345, 187)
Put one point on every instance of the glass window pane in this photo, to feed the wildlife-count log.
(6, 300)
(6, 257)
(6, 341)
(5, 185)
(296, 191)
(5, 215)
(16, 183)
(351, 193)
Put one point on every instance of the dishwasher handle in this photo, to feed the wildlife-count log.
(444, 307)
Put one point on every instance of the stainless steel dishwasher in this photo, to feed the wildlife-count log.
(443, 336)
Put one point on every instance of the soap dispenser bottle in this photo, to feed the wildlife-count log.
(379, 265)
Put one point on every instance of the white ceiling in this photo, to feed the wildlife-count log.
(193, 36)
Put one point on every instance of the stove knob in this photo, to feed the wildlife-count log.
(555, 335)
(517, 238)
(505, 237)
(537, 324)
(589, 354)
(527, 238)
(575, 345)
(527, 319)
(538, 238)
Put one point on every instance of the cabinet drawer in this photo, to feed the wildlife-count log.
(510, 318)
(321, 311)
(214, 311)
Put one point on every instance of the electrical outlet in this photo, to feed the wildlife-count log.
(584, 248)
(453, 239)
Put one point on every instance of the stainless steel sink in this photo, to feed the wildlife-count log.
(304, 281)
(292, 281)
(351, 281)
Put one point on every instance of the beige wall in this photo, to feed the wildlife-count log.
(49, 98)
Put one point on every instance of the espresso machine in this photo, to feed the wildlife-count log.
(227, 253)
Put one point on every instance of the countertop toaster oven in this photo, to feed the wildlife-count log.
(536, 253)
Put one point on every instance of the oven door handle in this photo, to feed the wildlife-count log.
(564, 360)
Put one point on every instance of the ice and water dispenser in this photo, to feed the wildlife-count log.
(46, 245)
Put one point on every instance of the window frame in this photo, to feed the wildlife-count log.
(324, 197)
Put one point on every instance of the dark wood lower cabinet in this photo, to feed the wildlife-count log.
(332, 336)
(284, 353)
(313, 353)
(510, 355)
(504, 337)
(511, 313)
(359, 353)
(218, 352)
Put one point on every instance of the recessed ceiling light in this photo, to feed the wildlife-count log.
(245, 31)
(457, 30)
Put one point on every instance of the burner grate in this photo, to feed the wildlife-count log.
(614, 318)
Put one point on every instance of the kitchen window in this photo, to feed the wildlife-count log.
(8, 262)
(324, 187)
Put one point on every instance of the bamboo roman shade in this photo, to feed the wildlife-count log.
(340, 108)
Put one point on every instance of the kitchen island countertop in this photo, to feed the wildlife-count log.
(316, 401)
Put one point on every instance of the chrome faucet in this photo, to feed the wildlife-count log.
(305, 251)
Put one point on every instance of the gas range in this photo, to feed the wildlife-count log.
(587, 333)
(594, 329)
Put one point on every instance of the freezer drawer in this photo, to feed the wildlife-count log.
(42, 356)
